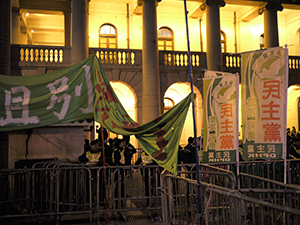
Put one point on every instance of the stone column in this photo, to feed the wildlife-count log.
(151, 101)
(16, 26)
(5, 69)
(5, 49)
(271, 24)
(68, 22)
(213, 35)
(80, 41)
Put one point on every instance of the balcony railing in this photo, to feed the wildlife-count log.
(41, 54)
(59, 56)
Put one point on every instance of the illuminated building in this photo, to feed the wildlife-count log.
(142, 46)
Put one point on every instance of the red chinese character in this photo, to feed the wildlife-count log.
(227, 125)
(226, 110)
(271, 111)
(272, 132)
(272, 86)
(227, 142)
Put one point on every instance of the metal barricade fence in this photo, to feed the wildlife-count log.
(219, 205)
(273, 170)
(50, 192)
(132, 191)
(269, 190)
(208, 174)
(65, 191)
(60, 190)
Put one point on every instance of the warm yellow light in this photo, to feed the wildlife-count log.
(27, 14)
(32, 31)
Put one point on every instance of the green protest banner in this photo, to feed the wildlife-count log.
(264, 94)
(220, 103)
(83, 91)
(53, 98)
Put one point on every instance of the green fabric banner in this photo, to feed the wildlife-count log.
(159, 138)
(81, 92)
(53, 98)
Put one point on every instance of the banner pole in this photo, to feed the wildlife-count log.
(104, 175)
(237, 124)
(193, 109)
(284, 146)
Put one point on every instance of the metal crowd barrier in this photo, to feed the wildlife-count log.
(269, 190)
(65, 191)
(61, 190)
(273, 170)
(208, 174)
(219, 205)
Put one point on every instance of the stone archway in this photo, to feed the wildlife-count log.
(175, 93)
(293, 105)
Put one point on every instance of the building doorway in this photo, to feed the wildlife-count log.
(174, 94)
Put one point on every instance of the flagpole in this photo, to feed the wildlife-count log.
(193, 109)
(104, 174)
(284, 146)
(237, 124)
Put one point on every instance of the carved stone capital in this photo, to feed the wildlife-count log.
(141, 2)
(274, 5)
(203, 7)
(215, 2)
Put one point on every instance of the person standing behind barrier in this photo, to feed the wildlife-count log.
(107, 158)
(107, 149)
(147, 173)
(92, 155)
(91, 158)
(187, 154)
(119, 160)
(129, 150)
(293, 132)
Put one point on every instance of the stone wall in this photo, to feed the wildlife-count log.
(61, 142)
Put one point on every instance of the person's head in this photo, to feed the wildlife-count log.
(94, 145)
(190, 140)
(120, 143)
(105, 134)
(297, 143)
(126, 138)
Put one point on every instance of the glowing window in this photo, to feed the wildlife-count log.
(168, 103)
(165, 39)
(223, 41)
(108, 36)
(262, 41)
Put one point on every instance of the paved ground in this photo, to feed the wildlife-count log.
(133, 218)
(136, 222)
(132, 222)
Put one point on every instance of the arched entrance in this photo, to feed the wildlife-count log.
(174, 94)
(293, 107)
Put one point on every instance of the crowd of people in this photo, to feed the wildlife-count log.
(293, 143)
(117, 152)
(187, 154)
